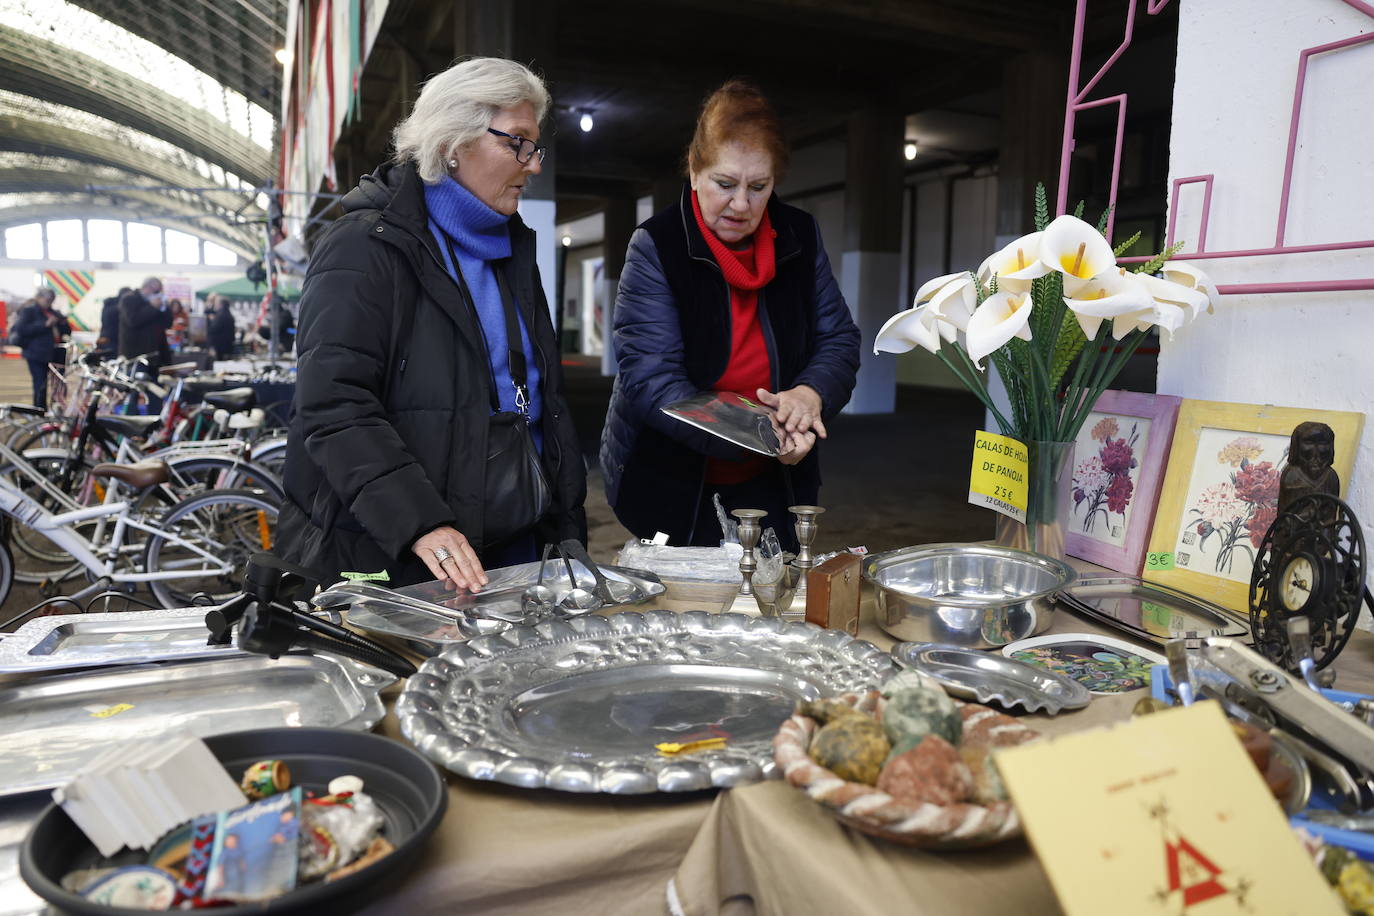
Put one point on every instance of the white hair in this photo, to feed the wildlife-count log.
(457, 106)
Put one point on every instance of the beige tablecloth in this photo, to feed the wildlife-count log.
(503, 850)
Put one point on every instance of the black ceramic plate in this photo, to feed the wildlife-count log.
(408, 789)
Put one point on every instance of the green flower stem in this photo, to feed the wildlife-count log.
(1045, 415)
(1107, 372)
(1091, 350)
(975, 384)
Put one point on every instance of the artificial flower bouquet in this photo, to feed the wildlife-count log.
(1057, 316)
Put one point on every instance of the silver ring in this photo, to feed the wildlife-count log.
(441, 554)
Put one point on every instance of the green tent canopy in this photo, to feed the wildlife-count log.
(243, 289)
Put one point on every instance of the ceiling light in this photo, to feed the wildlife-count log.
(909, 151)
(567, 240)
(585, 122)
(283, 56)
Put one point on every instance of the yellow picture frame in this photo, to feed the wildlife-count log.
(1199, 422)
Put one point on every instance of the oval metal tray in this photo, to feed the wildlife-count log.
(974, 675)
(1150, 610)
(53, 725)
(92, 640)
(579, 705)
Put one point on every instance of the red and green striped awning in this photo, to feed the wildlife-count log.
(74, 284)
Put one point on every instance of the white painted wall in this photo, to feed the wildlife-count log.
(1233, 98)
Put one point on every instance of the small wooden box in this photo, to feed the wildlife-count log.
(832, 594)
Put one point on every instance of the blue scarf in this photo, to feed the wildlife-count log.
(481, 235)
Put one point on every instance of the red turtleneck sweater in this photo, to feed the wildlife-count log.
(746, 272)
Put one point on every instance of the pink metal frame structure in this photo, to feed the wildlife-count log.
(1078, 101)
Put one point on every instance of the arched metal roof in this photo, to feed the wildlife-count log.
(108, 107)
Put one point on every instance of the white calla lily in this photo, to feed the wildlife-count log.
(1001, 317)
(1116, 295)
(953, 304)
(1077, 250)
(931, 287)
(1166, 292)
(912, 328)
(1019, 262)
(1186, 275)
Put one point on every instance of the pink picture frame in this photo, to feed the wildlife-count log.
(1119, 460)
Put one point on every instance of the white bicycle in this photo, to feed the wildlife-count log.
(196, 546)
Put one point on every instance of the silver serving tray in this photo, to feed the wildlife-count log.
(89, 640)
(430, 618)
(580, 704)
(1149, 610)
(987, 678)
(55, 724)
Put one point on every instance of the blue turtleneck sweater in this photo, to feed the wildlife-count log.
(481, 235)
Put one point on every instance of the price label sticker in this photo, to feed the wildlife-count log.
(998, 478)
(107, 711)
(1160, 560)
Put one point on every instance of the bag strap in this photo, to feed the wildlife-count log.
(515, 347)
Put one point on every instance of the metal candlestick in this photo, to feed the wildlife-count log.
(806, 534)
(749, 532)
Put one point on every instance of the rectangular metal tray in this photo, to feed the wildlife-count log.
(89, 640)
(53, 725)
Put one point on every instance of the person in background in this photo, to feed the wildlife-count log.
(286, 327)
(41, 330)
(108, 340)
(143, 323)
(181, 322)
(729, 289)
(220, 326)
(404, 343)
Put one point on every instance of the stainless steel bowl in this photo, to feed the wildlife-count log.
(972, 595)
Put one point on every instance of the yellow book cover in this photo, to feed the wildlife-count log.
(1162, 815)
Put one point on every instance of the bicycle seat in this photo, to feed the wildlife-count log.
(135, 426)
(180, 370)
(205, 385)
(140, 475)
(24, 408)
(233, 400)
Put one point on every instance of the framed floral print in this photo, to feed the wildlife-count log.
(1118, 464)
(1221, 491)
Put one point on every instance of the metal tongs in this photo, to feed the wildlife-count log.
(1250, 688)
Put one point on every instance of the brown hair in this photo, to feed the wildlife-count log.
(737, 112)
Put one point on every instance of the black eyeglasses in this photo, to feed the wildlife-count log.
(525, 148)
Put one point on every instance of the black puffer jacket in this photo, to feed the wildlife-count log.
(388, 442)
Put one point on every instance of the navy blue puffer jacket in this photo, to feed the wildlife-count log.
(672, 340)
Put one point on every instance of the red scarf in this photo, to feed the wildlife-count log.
(746, 271)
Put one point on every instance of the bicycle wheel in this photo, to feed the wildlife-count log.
(36, 558)
(44, 432)
(227, 525)
(6, 572)
(202, 473)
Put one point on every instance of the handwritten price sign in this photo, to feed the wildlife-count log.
(1158, 561)
(997, 480)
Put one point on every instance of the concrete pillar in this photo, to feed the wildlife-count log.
(521, 30)
(870, 267)
(619, 226)
(666, 192)
(1032, 133)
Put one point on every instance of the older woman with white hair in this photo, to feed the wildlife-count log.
(425, 348)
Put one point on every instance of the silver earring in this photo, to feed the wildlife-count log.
(453, 163)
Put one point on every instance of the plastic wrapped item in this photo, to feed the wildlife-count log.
(729, 528)
(691, 564)
(336, 832)
(770, 557)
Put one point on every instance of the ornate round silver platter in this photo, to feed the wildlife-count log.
(975, 675)
(581, 705)
(1149, 610)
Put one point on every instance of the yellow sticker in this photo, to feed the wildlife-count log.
(111, 710)
(673, 748)
(998, 478)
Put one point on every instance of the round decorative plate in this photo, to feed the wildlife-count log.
(583, 705)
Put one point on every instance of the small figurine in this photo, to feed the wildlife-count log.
(1308, 470)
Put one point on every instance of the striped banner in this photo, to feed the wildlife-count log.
(74, 284)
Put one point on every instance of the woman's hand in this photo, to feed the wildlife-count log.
(796, 446)
(797, 409)
(460, 569)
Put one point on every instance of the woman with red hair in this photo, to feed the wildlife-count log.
(729, 290)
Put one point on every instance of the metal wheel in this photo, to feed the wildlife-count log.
(229, 525)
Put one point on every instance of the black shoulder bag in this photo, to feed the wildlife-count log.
(517, 494)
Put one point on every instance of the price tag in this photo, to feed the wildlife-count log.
(1159, 560)
(108, 711)
(366, 577)
(998, 477)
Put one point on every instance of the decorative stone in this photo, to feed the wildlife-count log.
(912, 714)
(930, 773)
(826, 711)
(851, 747)
(907, 680)
(987, 781)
